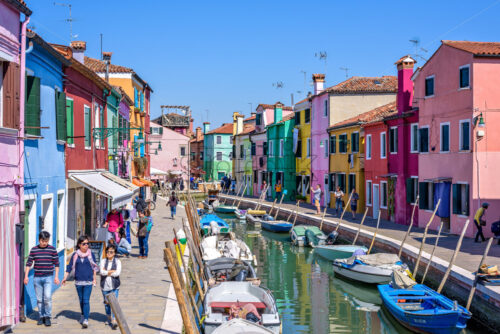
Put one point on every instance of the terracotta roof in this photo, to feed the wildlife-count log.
(99, 66)
(194, 139)
(226, 128)
(271, 106)
(249, 118)
(476, 48)
(384, 84)
(127, 98)
(247, 128)
(373, 115)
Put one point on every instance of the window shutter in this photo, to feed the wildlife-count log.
(136, 98)
(456, 194)
(409, 190)
(422, 203)
(161, 130)
(32, 107)
(61, 126)
(151, 130)
(69, 122)
(466, 204)
(142, 101)
(11, 98)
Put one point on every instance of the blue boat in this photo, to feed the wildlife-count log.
(423, 310)
(206, 223)
(278, 226)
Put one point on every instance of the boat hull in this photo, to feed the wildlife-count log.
(276, 227)
(333, 252)
(380, 276)
(224, 209)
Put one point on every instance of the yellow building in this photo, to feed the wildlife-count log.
(302, 146)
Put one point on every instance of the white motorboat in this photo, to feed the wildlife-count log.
(221, 298)
(226, 269)
(240, 326)
(225, 245)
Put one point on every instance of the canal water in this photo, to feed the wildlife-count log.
(310, 298)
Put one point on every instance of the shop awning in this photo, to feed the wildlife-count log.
(104, 186)
(175, 172)
(155, 171)
(146, 182)
(138, 183)
(129, 185)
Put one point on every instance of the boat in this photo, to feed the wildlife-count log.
(334, 252)
(225, 295)
(212, 200)
(305, 235)
(423, 310)
(241, 326)
(240, 214)
(225, 269)
(371, 269)
(278, 226)
(225, 245)
(257, 216)
(213, 224)
(221, 208)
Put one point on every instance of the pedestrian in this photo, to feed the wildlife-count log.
(181, 184)
(46, 265)
(84, 269)
(154, 190)
(263, 188)
(316, 195)
(123, 247)
(141, 204)
(354, 203)
(114, 221)
(278, 189)
(339, 194)
(110, 271)
(479, 222)
(143, 234)
(172, 202)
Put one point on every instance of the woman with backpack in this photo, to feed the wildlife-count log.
(145, 225)
(110, 271)
(84, 269)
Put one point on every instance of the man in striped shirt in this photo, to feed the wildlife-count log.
(46, 261)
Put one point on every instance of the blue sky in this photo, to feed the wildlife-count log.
(224, 56)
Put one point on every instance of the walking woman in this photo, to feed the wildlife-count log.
(339, 194)
(145, 225)
(110, 280)
(172, 202)
(82, 265)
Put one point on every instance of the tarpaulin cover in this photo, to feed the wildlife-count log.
(442, 191)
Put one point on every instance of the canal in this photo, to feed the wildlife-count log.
(309, 297)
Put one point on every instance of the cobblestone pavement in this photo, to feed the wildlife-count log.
(143, 291)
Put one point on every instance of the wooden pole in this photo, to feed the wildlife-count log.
(237, 194)
(296, 212)
(409, 227)
(322, 219)
(423, 239)
(258, 200)
(291, 212)
(432, 253)
(263, 196)
(374, 234)
(240, 197)
(186, 267)
(121, 320)
(457, 250)
(359, 228)
(343, 211)
(279, 206)
(473, 290)
(272, 207)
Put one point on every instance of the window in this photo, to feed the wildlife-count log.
(343, 143)
(193, 156)
(393, 140)
(298, 153)
(368, 147)
(219, 139)
(383, 145)
(355, 142)
(326, 148)
(429, 86)
(464, 135)
(308, 147)
(255, 176)
(368, 192)
(87, 126)
(461, 199)
(264, 148)
(331, 183)
(233, 152)
(297, 118)
(333, 144)
(445, 137)
(155, 131)
(136, 98)
(61, 128)
(70, 130)
(307, 116)
(242, 151)
(464, 76)
(142, 101)
(383, 194)
(1, 94)
(352, 182)
(60, 217)
(426, 191)
(325, 109)
(271, 148)
(341, 181)
(423, 139)
(219, 156)
(201, 155)
(253, 149)
(32, 107)
(411, 189)
(258, 119)
(183, 151)
(414, 138)
(282, 148)
(298, 184)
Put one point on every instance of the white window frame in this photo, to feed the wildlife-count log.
(180, 150)
(217, 156)
(441, 137)
(434, 83)
(383, 145)
(325, 108)
(155, 131)
(358, 141)
(397, 135)
(412, 137)
(469, 200)
(460, 135)
(50, 214)
(326, 148)
(459, 69)
(217, 140)
(308, 147)
(61, 219)
(386, 194)
(369, 190)
(368, 147)
(32, 221)
(428, 139)
(282, 148)
(270, 150)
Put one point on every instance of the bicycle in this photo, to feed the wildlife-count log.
(151, 204)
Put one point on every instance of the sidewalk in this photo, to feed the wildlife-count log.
(143, 293)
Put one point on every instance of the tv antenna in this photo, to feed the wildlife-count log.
(305, 80)
(251, 107)
(322, 55)
(416, 43)
(346, 71)
(69, 19)
(278, 84)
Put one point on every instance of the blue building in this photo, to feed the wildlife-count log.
(44, 171)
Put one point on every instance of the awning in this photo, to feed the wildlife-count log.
(104, 186)
(130, 186)
(155, 171)
(439, 179)
(147, 182)
(138, 183)
(175, 172)
(389, 175)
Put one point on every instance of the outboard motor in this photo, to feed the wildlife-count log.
(214, 227)
(331, 238)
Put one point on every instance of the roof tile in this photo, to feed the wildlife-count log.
(226, 128)
(373, 115)
(383, 84)
(476, 48)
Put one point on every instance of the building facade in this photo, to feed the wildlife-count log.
(218, 151)
(302, 149)
(242, 158)
(196, 147)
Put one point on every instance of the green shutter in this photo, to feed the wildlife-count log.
(456, 193)
(409, 190)
(422, 204)
(61, 126)
(69, 122)
(32, 107)
(161, 130)
(466, 204)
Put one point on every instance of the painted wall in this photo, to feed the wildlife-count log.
(259, 161)
(169, 158)
(211, 165)
(113, 104)
(124, 156)
(319, 143)
(9, 33)
(242, 165)
(344, 106)
(303, 164)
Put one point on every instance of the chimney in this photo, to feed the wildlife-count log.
(405, 84)
(206, 127)
(319, 82)
(78, 48)
(198, 134)
(191, 120)
(106, 56)
(278, 112)
(239, 124)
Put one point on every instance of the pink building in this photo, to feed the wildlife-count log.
(457, 93)
(173, 157)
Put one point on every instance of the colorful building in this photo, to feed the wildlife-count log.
(302, 149)
(242, 148)
(12, 100)
(456, 93)
(113, 106)
(196, 147)
(218, 151)
(124, 156)
(280, 158)
(175, 121)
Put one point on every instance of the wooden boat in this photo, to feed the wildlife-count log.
(277, 226)
(257, 217)
(370, 269)
(333, 252)
(225, 245)
(240, 214)
(220, 298)
(305, 235)
(224, 208)
(212, 200)
(423, 310)
(241, 326)
(213, 224)
(226, 269)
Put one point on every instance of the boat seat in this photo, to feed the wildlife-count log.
(258, 305)
(411, 306)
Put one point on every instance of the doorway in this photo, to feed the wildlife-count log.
(48, 217)
(376, 203)
(326, 190)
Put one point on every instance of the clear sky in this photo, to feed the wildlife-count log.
(224, 56)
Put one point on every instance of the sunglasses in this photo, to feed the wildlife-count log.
(110, 252)
(84, 243)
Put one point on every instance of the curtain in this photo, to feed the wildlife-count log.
(442, 191)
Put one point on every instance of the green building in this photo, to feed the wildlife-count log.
(218, 151)
(280, 156)
(113, 105)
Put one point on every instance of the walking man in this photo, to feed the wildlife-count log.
(278, 189)
(316, 195)
(46, 261)
(354, 203)
(479, 222)
(154, 190)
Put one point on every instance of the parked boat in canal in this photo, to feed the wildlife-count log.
(241, 326)
(213, 224)
(304, 235)
(225, 269)
(334, 252)
(212, 200)
(221, 298)
(221, 208)
(225, 245)
(370, 269)
(255, 217)
(240, 214)
(277, 226)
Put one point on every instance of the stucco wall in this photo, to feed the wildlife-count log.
(345, 106)
(169, 158)
(9, 33)
(211, 166)
(319, 142)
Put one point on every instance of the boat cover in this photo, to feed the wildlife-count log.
(401, 280)
(378, 259)
(256, 212)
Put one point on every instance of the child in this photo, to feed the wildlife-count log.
(110, 280)
(123, 247)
